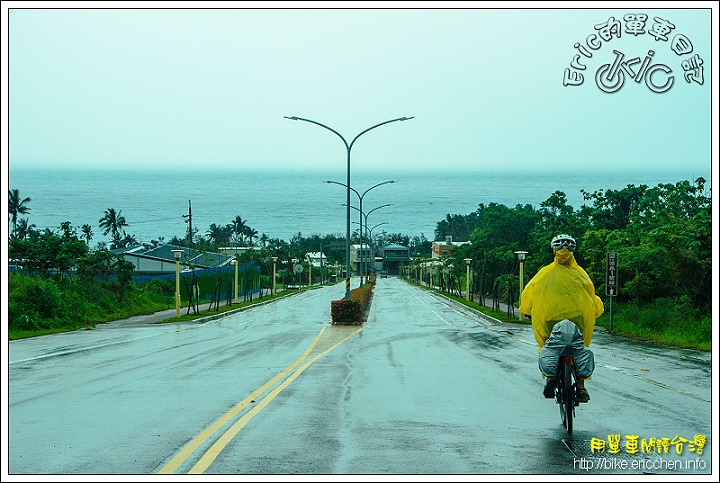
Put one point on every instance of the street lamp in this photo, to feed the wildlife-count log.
(467, 278)
(274, 259)
(521, 257)
(348, 147)
(360, 197)
(372, 243)
(177, 253)
(294, 277)
(236, 279)
(369, 233)
(365, 215)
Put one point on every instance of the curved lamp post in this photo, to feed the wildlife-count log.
(372, 243)
(177, 281)
(521, 257)
(236, 280)
(348, 147)
(360, 197)
(369, 234)
(364, 216)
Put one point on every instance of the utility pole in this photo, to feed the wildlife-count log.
(188, 219)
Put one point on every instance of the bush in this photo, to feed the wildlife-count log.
(39, 305)
(35, 295)
(352, 311)
(345, 311)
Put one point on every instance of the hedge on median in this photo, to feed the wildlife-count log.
(352, 312)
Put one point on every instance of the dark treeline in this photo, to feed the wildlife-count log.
(662, 237)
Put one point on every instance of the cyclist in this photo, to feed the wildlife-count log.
(561, 302)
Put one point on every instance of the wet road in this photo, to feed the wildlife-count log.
(426, 386)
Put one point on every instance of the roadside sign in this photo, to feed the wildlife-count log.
(611, 274)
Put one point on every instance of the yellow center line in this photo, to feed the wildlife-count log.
(189, 449)
(193, 445)
(223, 441)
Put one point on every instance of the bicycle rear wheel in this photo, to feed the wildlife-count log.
(568, 401)
(559, 392)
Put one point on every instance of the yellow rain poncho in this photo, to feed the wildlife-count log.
(561, 290)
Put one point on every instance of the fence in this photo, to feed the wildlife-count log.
(213, 282)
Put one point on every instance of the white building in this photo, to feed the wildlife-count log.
(316, 259)
(356, 253)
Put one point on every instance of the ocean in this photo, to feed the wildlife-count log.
(283, 204)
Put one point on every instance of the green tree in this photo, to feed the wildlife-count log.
(220, 235)
(16, 207)
(114, 223)
(556, 216)
(69, 232)
(87, 233)
(500, 232)
(672, 228)
(96, 265)
(239, 227)
(129, 241)
(102, 265)
(24, 228)
(612, 209)
(459, 227)
(51, 255)
(250, 235)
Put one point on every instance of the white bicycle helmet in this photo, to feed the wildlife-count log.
(563, 241)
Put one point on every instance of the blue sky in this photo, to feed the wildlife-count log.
(208, 87)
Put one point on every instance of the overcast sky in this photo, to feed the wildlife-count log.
(208, 88)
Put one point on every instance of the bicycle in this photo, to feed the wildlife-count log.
(566, 389)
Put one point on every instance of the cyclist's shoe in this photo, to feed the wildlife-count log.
(549, 391)
(583, 395)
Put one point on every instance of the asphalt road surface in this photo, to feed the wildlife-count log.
(424, 387)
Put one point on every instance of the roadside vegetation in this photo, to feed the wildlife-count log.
(40, 305)
(661, 235)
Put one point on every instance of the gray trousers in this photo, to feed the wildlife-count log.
(566, 334)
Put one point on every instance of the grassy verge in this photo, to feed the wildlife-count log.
(663, 323)
(89, 321)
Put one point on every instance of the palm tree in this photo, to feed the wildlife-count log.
(264, 239)
(250, 235)
(129, 241)
(35, 235)
(117, 242)
(24, 228)
(219, 234)
(16, 207)
(87, 233)
(113, 223)
(239, 226)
